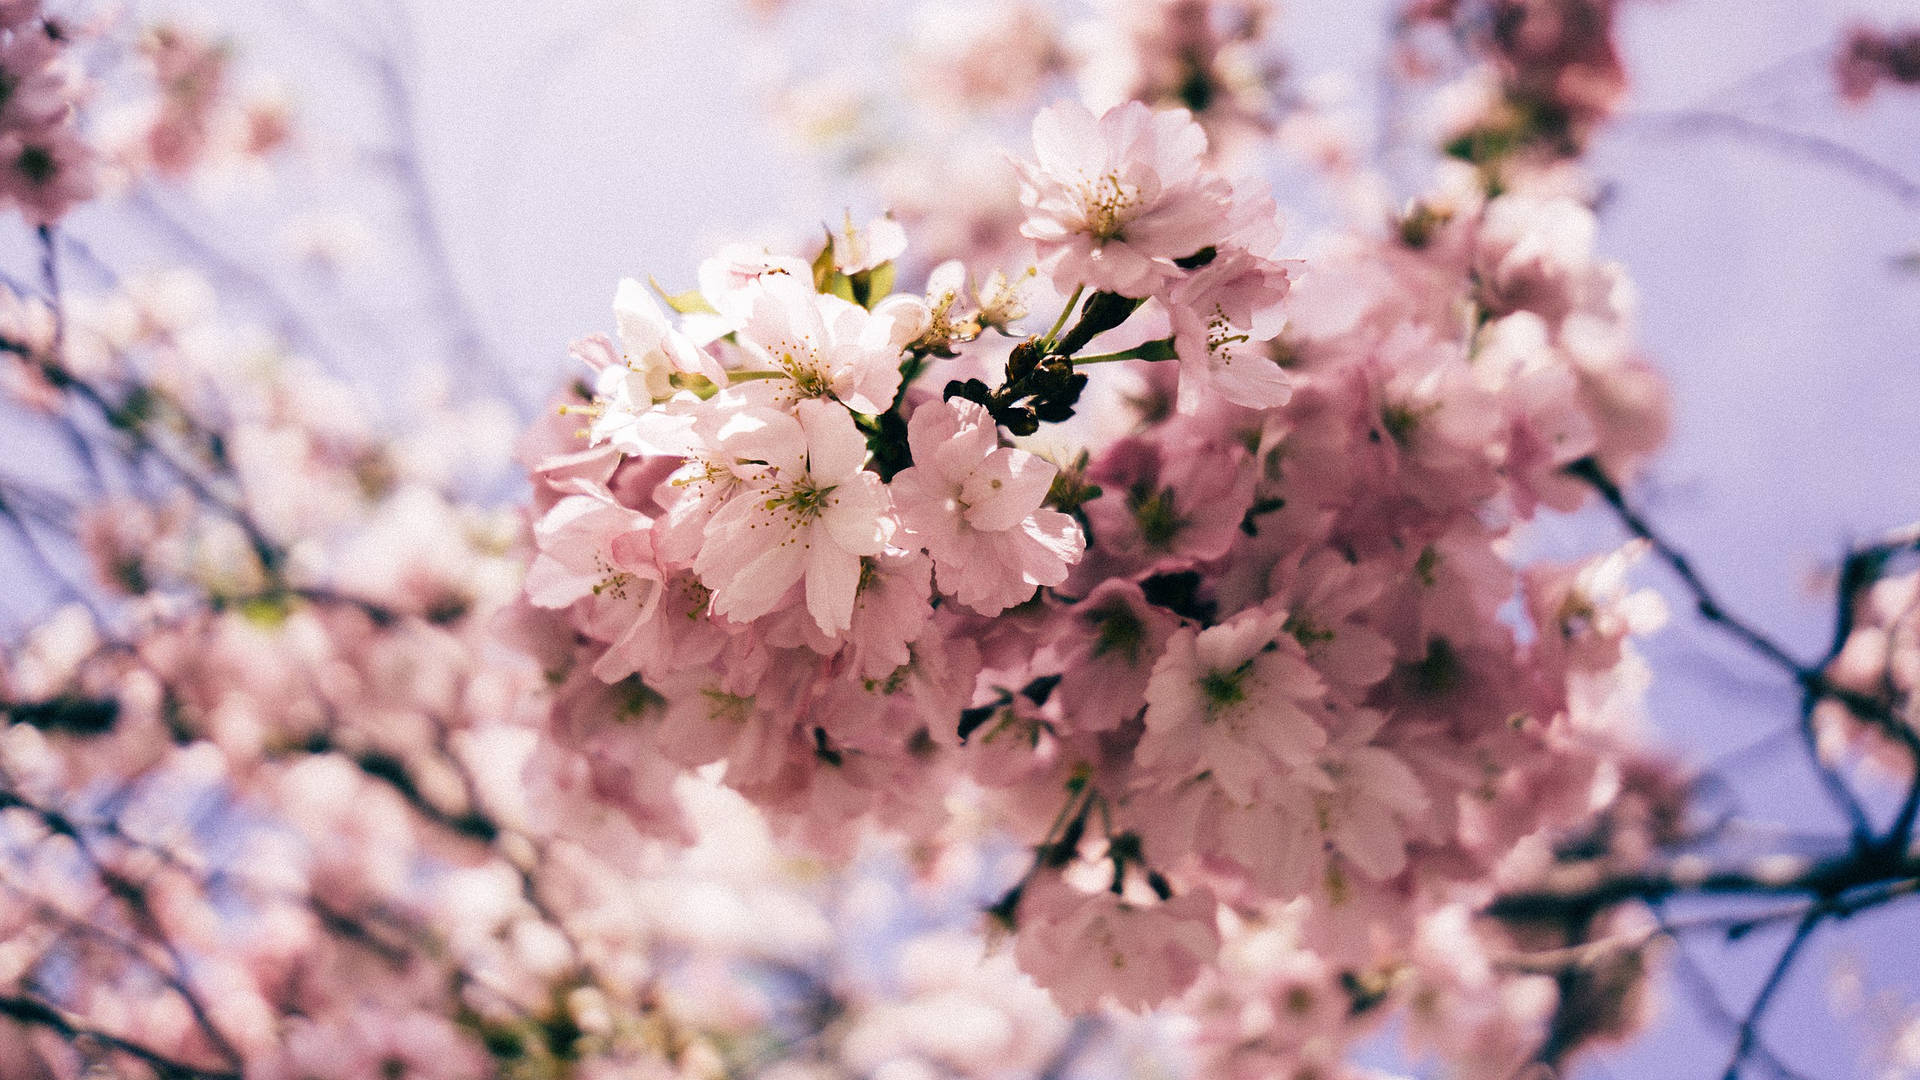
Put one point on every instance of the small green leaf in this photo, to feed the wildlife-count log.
(823, 266)
(686, 303)
(840, 285)
(879, 282)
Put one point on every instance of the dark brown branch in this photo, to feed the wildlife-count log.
(1576, 892)
(1710, 1002)
(1705, 599)
(33, 1012)
(132, 895)
(1813, 683)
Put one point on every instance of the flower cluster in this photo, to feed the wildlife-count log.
(1213, 57)
(1557, 65)
(1876, 664)
(1246, 656)
(45, 164)
(193, 119)
(1872, 57)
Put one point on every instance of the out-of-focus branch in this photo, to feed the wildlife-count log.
(1750, 1027)
(288, 319)
(1867, 871)
(1708, 998)
(1811, 679)
(33, 1012)
(1574, 898)
(1693, 122)
(132, 895)
(1708, 603)
(16, 519)
(1575, 891)
(1085, 1029)
(1860, 569)
(53, 368)
(469, 344)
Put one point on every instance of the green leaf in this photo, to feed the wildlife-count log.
(823, 266)
(840, 285)
(879, 282)
(686, 303)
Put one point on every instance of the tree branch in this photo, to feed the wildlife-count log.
(36, 1013)
(1750, 1027)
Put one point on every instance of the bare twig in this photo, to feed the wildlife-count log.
(33, 1012)
(1710, 607)
(292, 323)
(1708, 997)
(1817, 148)
(1750, 1027)
(469, 343)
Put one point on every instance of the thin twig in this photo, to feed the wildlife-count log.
(1715, 612)
(1817, 148)
(1708, 997)
(33, 1012)
(470, 345)
(292, 323)
(1750, 1027)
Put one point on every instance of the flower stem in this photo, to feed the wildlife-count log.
(1061, 322)
(1158, 349)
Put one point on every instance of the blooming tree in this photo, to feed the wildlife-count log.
(1065, 585)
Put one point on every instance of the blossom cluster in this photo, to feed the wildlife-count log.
(194, 120)
(46, 164)
(268, 813)
(1245, 657)
(1557, 65)
(1871, 57)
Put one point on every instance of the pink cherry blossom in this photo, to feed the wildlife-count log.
(1224, 315)
(1113, 201)
(652, 356)
(1106, 649)
(821, 346)
(1237, 701)
(808, 512)
(1086, 946)
(976, 506)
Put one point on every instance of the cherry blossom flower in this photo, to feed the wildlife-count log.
(857, 250)
(1224, 314)
(1106, 650)
(824, 347)
(1086, 946)
(809, 512)
(1112, 202)
(590, 545)
(1237, 701)
(976, 506)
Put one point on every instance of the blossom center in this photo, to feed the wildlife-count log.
(800, 366)
(1157, 516)
(1221, 337)
(1118, 630)
(1110, 206)
(803, 500)
(1225, 689)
